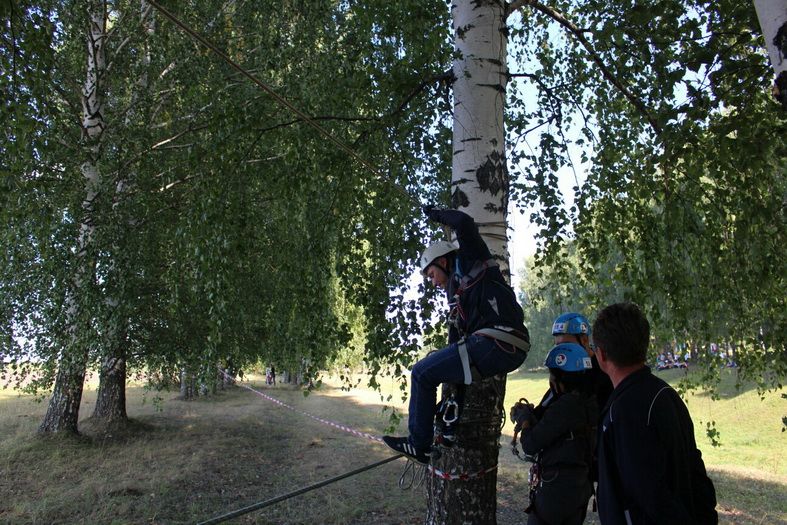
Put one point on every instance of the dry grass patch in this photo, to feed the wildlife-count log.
(194, 460)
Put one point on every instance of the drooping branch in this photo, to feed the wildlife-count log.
(579, 34)
(445, 77)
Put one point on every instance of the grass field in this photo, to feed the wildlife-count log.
(189, 461)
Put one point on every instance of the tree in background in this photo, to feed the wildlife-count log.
(224, 229)
(668, 108)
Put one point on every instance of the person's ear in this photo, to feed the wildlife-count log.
(600, 354)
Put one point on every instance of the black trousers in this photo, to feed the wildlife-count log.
(561, 499)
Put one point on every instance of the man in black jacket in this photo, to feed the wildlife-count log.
(650, 470)
(486, 335)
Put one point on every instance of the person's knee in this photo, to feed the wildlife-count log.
(424, 373)
(418, 372)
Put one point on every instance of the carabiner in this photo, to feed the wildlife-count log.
(450, 418)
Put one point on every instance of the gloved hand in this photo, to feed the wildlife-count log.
(523, 415)
(432, 212)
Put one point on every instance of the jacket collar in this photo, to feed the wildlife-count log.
(631, 379)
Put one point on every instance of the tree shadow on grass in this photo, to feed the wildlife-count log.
(747, 499)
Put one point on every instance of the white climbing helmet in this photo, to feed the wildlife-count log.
(435, 251)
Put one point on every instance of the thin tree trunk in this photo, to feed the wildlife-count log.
(480, 187)
(63, 411)
(187, 386)
(62, 414)
(111, 400)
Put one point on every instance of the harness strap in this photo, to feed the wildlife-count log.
(478, 268)
(462, 349)
(501, 333)
(504, 333)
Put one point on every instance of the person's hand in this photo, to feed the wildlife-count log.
(523, 414)
(432, 212)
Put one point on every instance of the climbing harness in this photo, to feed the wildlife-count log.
(469, 373)
(456, 317)
(466, 281)
(498, 333)
(534, 476)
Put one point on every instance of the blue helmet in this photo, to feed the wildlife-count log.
(568, 357)
(571, 323)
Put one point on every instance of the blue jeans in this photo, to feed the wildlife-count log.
(445, 366)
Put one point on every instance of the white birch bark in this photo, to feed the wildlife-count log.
(63, 409)
(772, 15)
(479, 173)
(480, 188)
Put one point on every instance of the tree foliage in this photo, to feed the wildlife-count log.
(227, 229)
(668, 107)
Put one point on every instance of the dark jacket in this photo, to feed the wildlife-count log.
(650, 470)
(564, 437)
(487, 300)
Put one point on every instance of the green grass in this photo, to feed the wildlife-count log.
(194, 460)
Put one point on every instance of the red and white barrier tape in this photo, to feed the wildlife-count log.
(465, 476)
(319, 419)
(462, 477)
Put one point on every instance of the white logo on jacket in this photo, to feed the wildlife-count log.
(493, 303)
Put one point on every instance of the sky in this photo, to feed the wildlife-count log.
(522, 234)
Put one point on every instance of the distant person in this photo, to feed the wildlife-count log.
(562, 441)
(650, 470)
(486, 334)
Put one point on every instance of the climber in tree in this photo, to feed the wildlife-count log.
(486, 333)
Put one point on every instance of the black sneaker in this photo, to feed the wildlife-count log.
(403, 446)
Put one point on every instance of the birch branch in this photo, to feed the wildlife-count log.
(579, 34)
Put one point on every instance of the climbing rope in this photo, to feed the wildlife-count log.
(412, 476)
(411, 471)
(277, 499)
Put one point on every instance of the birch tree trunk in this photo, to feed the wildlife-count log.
(63, 411)
(111, 397)
(480, 187)
(772, 15)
